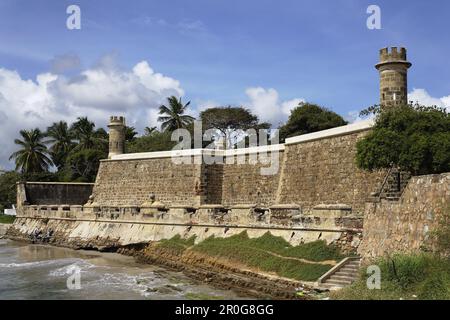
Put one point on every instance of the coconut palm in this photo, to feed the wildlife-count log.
(88, 138)
(130, 133)
(173, 116)
(149, 130)
(33, 155)
(61, 140)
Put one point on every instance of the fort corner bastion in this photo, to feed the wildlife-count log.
(317, 192)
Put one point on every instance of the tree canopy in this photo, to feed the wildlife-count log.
(230, 121)
(307, 118)
(413, 138)
(60, 138)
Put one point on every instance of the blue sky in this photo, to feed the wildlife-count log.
(261, 54)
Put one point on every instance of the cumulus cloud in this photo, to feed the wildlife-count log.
(421, 96)
(97, 93)
(266, 104)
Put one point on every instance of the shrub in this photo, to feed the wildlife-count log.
(403, 276)
(414, 138)
(307, 117)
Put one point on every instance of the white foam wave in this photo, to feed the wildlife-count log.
(82, 265)
(27, 264)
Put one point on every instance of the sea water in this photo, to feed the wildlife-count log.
(44, 272)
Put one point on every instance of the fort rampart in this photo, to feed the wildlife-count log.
(317, 192)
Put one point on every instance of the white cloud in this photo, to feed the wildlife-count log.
(97, 93)
(266, 105)
(423, 97)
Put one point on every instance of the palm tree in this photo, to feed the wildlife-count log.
(61, 140)
(130, 133)
(148, 131)
(173, 116)
(33, 155)
(88, 138)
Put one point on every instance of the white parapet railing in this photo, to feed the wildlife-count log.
(338, 131)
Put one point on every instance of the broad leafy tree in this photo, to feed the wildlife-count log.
(82, 166)
(413, 138)
(8, 182)
(154, 141)
(230, 122)
(307, 118)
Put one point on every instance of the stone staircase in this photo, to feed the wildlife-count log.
(341, 275)
(393, 185)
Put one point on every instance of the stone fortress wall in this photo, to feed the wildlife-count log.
(316, 192)
(312, 169)
(406, 225)
(151, 196)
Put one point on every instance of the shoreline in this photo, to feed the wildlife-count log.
(213, 271)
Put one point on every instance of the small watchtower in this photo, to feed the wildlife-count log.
(393, 68)
(116, 136)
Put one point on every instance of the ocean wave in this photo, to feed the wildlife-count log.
(37, 264)
(27, 264)
(146, 285)
(81, 265)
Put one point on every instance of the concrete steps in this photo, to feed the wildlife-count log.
(344, 274)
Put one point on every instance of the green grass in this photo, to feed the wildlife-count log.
(313, 251)
(422, 276)
(177, 243)
(6, 219)
(267, 253)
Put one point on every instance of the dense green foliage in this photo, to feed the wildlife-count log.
(61, 142)
(421, 276)
(267, 253)
(6, 219)
(413, 138)
(8, 182)
(82, 166)
(307, 117)
(154, 141)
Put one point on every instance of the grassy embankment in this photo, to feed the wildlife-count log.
(267, 253)
(6, 219)
(411, 276)
(421, 276)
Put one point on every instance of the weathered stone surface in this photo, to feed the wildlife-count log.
(122, 183)
(310, 173)
(405, 225)
(324, 172)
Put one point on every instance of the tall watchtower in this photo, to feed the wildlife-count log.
(393, 68)
(116, 135)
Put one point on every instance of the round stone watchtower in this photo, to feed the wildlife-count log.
(116, 136)
(393, 68)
